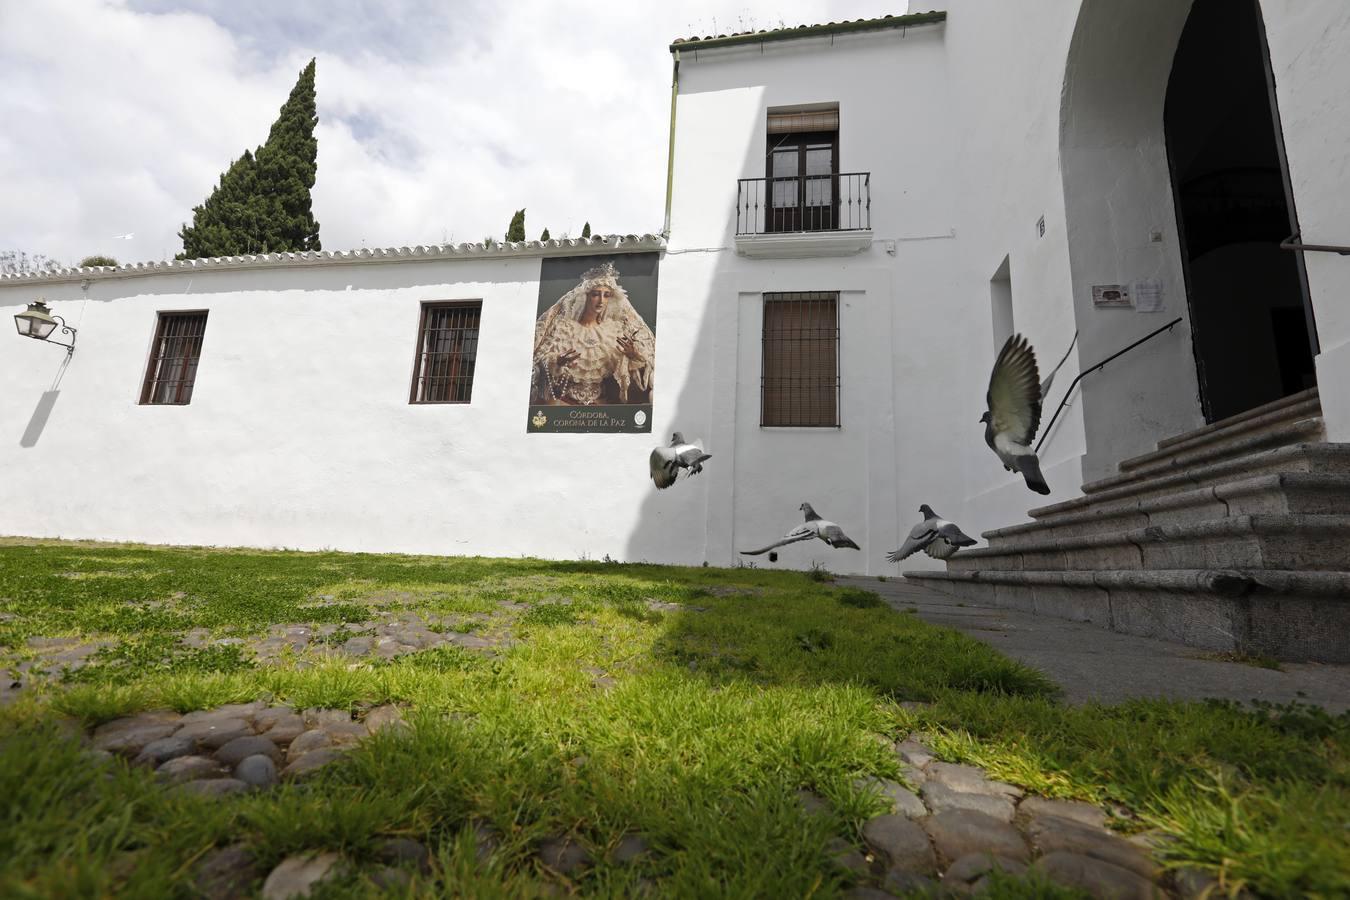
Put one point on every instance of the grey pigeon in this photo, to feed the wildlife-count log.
(665, 462)
(813, 527)
(1014, 413)
(934, 535)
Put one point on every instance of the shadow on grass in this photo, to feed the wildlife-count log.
(809, 634)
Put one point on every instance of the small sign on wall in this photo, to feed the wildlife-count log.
(1148, 296)
(1111, 296)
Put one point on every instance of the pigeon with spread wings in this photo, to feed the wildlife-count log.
(934, 535)
(665, 462)
(813, 527)
(1014, 413)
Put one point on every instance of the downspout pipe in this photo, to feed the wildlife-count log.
(670, 151)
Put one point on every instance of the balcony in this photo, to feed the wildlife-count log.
(804, 215)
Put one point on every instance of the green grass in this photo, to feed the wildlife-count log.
(723, 708)
(1246, 659)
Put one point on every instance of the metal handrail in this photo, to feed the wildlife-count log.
(1295, 242)
(1045, 433)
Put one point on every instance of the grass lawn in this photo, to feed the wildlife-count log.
(688, 705)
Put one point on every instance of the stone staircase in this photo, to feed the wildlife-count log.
(1232, 537)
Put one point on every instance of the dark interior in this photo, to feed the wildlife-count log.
(1246, 295)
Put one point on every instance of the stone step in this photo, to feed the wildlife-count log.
(1307, 430)
(1283, 403)
(1226, 435)
(1279, 493)
(1314, 458)
(1288, 615)
(1300, 541)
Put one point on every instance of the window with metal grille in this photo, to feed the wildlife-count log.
(799, 380)
(173, 359)
(447, 350)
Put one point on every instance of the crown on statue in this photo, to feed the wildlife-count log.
(604, 272)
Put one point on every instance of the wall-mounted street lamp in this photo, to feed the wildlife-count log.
(37, 322)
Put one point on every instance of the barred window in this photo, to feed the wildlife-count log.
(799, 381)
(173, 359)
(447, 350)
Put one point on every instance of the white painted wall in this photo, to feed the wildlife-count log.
(1004, 66)
(1309, 41)
(300, 434)
(1117, 194)
(871, 474)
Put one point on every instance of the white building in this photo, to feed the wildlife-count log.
(945, 179)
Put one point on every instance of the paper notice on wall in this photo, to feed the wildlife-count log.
(1111, 296)
(1148, 296)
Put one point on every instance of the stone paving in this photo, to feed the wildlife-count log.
(947, 839)
(1096, 665)
(240, 746)
(390, 634)
(393, 635)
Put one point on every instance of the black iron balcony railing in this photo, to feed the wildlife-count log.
(841, 202)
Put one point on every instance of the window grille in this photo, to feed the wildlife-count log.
(799, 379)
(172, 371)
(447, 351)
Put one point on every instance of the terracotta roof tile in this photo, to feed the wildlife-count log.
(628, 243)
(801, 31)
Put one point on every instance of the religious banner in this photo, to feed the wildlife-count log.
(594, 357)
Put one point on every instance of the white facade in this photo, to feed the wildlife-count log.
(300, 434)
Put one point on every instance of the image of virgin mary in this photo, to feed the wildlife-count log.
(592, 347)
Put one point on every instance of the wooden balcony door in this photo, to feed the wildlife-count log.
(803, 182)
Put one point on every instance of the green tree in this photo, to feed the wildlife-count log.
(586, 230)
(97, 260)
(227, 223)
(516, 230)
(544, 236)
(262, 203)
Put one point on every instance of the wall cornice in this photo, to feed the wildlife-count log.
(614, 243)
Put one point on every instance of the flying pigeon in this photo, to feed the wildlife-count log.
(813, 527)
(665, 462)
(1014, 413)
(934, 535)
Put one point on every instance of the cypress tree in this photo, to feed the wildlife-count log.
(586, 230)
(287, 166)
(516, 230)
(224, 225)
(262, 203)
(544, 236)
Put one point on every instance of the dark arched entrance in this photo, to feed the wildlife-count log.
(1251, 321)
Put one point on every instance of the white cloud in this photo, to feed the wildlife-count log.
(435, 120)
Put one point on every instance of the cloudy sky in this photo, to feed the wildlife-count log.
(436, 119)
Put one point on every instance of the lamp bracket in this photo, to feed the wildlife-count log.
(65, 329)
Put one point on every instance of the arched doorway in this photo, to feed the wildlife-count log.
(1121, 228)
(1251, 320)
